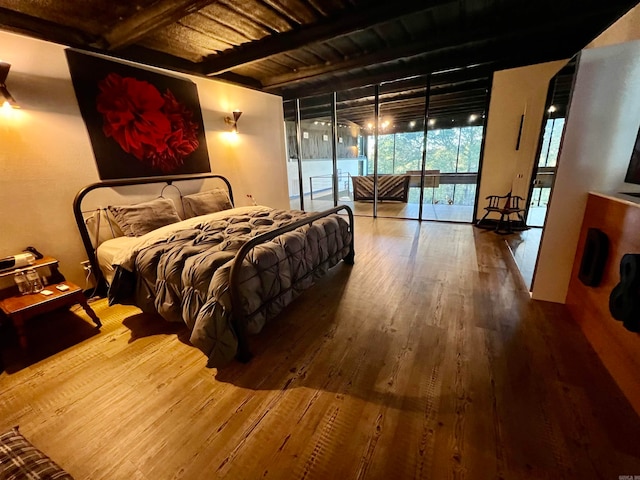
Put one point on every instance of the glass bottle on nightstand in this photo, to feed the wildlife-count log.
(24, 286)
(34, 280)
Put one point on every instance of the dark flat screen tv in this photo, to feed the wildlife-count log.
(633, 172)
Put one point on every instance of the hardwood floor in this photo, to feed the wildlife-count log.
(391, 209)
(426, 359)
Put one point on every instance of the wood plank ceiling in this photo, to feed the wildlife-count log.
(300, 48)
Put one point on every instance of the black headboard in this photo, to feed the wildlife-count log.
(79, 216)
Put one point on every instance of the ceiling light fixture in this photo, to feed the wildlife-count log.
(6, 98)
(233, 122)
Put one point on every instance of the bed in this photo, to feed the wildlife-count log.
(224, 271)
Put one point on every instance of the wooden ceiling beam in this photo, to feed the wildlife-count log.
(461, 63)
(445, 55)
(151, 18)
(350, 21)
(319, 107)
(559, 38)
(439, 85)
(43, 29)
(469, 88)
(417, 109)
(154, 58)
(413, 107)
(374, 58)
(409, 69)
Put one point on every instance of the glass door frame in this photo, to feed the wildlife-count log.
(545, 118)
(425, 129)
(426, 117)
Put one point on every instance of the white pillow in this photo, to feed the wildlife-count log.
(102, 226)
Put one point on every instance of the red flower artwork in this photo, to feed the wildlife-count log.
(155, 128)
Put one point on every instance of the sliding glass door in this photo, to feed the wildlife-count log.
(291, 132)
(310, 143)
(546, 168)
(454, 148)
(366, 148)
(400, 145)
(549, 144)
(453, 156)
(355, 113)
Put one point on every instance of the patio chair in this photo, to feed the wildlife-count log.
(506, 206)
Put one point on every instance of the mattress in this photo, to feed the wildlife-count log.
(108, 251)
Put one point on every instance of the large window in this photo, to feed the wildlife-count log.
(551, 142)
(454, 153)
(388, 168)
(456, 150)
(547, 164)
(398, 153)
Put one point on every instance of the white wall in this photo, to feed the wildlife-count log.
(46, 155)
(515, 92)
(603, 121)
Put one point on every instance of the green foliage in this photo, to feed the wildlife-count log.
(448, 150)
(397, 153)
(551, 142)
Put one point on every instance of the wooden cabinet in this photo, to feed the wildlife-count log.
(618, 348)
(20, 308)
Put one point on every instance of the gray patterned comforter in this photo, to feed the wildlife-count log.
(182, 271)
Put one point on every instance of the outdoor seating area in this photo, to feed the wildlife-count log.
(393, 187)
(390, 187)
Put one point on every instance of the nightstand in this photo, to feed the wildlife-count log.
(20, 308)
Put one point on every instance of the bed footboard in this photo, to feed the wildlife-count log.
(237, 315)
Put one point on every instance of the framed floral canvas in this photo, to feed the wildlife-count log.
(141, 123)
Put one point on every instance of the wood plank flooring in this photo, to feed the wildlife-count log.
(390, 209)
(426, 359)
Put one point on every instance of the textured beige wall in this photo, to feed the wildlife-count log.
(514, 92)
(626, 29)
(46, 156)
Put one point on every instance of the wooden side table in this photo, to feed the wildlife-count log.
(20, 308)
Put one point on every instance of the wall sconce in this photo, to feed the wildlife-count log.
(5, 97)
(233, 122)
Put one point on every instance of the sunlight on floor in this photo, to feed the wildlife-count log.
(523, 245)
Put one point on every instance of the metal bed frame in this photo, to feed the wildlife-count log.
(238, 319)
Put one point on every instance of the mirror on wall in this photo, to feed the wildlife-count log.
(526, 245)
(549, 144)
